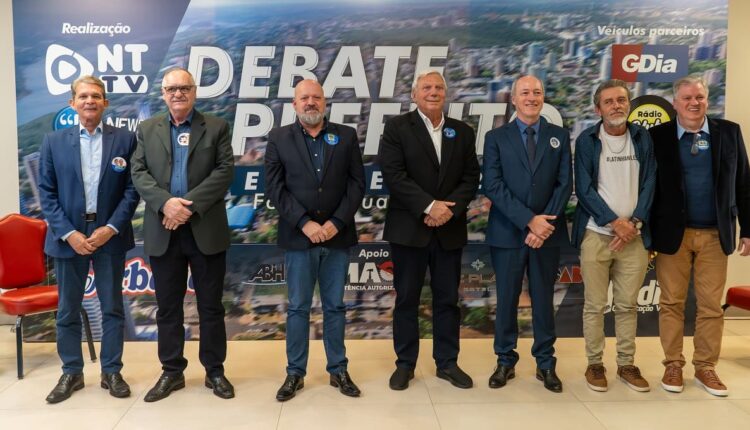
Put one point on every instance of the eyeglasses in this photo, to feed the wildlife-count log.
(698, 143)
(184, 89)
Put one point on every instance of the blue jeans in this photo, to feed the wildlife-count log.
(71, 282)
(327, 266)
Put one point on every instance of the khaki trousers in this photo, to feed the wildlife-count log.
(700, 251)
(626, 270)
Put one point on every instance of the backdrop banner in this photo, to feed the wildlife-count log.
(246, 59)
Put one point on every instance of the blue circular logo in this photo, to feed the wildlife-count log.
(449, 132)
(331, 138)
(65, 118)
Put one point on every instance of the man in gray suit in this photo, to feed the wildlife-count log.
(182, 167)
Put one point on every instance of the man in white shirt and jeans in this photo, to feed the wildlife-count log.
(615, 173)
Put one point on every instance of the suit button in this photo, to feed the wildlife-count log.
(318, 212)
(320, 190)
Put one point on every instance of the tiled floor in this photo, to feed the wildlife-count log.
(257, 370)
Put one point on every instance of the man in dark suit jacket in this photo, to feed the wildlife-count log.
(430, 167)
(315, 179)
(528, 177)
(182, 167)
(88, 200)
(702, 190)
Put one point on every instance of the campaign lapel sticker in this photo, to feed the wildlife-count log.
(554, 142)
(119, 164)
(183, 139)
(449, 132)
(702, 144)
(331, 139)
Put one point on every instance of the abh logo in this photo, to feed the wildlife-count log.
(649, 63)
(63, 66)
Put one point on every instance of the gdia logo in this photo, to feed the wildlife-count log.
(649, 63)
(63, 66)
(65, 118)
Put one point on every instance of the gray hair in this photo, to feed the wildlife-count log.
(689, 80)
(87, 79)
(178, 69)
(513, 86)
(424, 73)
(612, 83)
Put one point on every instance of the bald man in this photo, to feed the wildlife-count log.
(315, 179)
(528, 177)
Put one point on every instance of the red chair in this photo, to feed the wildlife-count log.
(22, 267)
(738, 297)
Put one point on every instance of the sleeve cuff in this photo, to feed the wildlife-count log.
(113, 228)
(338, 223)
(67, 235)
(301, 223)
(429, 208)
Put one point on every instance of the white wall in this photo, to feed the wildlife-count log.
(9, 139)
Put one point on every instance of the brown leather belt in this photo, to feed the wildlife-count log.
(90, 217)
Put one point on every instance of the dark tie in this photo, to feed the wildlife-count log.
(530, 144)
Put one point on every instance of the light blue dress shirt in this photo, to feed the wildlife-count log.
(91, 168)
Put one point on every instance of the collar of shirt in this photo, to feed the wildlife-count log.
(428, 122)
(82, 130)
(523, 126)
(681, 130)
(188, 121)
(322, 130)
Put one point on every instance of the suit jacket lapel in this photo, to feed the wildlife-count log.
(304, 153)
(163, 134)
(517, 144)
(108, 140)
(446, 151)
(423, 137)
(197, 131)
(328, 149)
(74, 139)
(542, 143)
(714, 132)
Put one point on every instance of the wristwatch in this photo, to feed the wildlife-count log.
(637, 223)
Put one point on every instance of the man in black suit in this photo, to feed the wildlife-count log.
(430, 167)
(315, 178)
(702, 190)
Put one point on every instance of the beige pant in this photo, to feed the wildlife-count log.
(701, 251)
(626, 269)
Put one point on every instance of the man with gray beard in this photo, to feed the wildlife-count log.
(315, 179)
(615, 177)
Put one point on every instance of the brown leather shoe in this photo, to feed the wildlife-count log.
(596, 378)
(631, 376)
(672, 379)
(709, 380)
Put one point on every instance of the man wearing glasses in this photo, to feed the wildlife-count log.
(702, 189)
(182, 167)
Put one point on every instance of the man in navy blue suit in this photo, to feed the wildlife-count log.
(88, 200)
(527, 176)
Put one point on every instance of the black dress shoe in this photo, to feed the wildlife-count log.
(65, 387)
(164, 387)
(501, 376)
(550, 379)
(344, 382)
(455, 376)
(400, 378)
(115, 384)
(289, 388)
(221, 386)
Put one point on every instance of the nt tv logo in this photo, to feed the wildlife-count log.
(63, 66)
